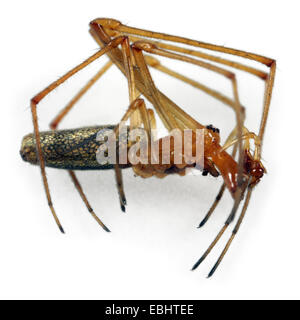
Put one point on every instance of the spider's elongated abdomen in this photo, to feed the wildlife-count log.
(73, 149)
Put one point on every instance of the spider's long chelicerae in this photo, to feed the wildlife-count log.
(132, 50)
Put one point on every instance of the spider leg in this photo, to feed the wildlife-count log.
(137, 112)
(152, 120)
(83, 196)
(234, 232)
(36, 100)
(146, 117)
(222, 189)
(116, 56)
(165, 113)
(241, 190)
(226, 224)
(116, 26)
(154, 63)
(213, 206)
(267, 77)
(133, 115)
(56, 121)
(239, 66)
(230, 218)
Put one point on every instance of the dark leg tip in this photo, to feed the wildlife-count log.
(61, 229)
(202, 223)
(123, 208)
(106, 229)
(196, 265)
(194, 268)
(211, 273)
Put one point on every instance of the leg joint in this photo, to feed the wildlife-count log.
(106, 23)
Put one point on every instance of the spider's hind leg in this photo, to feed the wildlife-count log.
(57, 120)
(40, 96)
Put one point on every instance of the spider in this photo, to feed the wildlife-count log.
(132, 50)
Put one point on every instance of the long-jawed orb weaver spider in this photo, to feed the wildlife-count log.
(126, 47)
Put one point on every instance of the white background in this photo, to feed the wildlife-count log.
(152, 247)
